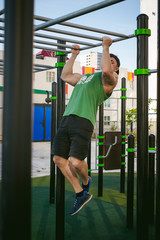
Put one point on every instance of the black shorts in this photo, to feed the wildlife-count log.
(73, 137)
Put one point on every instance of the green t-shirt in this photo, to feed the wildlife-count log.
(87, 95)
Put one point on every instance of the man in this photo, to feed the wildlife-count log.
(71, 143)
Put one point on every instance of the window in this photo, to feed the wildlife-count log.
(107, 103)
(50, 76)
(107, 120)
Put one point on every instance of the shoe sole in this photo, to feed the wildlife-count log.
(81, 206)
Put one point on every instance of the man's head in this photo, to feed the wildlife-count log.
(115, 62)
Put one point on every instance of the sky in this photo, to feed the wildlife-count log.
(120, 18)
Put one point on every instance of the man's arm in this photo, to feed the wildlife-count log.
(67, 72)
(109, 76)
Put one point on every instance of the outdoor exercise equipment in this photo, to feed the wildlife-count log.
(17, 128)
(16, 159)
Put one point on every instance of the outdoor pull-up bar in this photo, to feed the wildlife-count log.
(77, 13)
(2, 11)
(92, 29)
(73, 34)
(63, 39)
(114, 40)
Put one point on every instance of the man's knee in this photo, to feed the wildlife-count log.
(59, 161)
(56, 159)
(76, 163)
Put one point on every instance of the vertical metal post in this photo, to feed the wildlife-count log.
(89, 160)
(53, 133)
(158, 133)
(130, 181)
(151, 180)
(100, 167)
(16, 159)
(142, 130)
(123, 132)
(60, 186)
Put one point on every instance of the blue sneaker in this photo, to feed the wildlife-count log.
(89, 181)
(80, 202)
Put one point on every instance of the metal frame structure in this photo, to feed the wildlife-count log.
(158, 132)
(16, 176)
(16, 147)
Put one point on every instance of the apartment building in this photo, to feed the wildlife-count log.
(92, 59)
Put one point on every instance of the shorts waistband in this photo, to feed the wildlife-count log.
(76, 122)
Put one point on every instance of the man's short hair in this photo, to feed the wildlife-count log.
(117, 60)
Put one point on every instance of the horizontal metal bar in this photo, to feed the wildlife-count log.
(43, 66)
(2, 20)
(63, 39)
(150, 151)
(131, 113)
(121, 39)
(73, 34)
(54, 44)
(117, 90)
(114, 40)
(92, 29)
(136, 113)
(78, 13)
(50, 49)
(152, 71)
(41, 70)
(108, 109)
(36, 64)
(2, 11)
(37, 67)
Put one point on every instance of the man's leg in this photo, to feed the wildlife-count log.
(69, 171)
(70, 168)
(81, 168)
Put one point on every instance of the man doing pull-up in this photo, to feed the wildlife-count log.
(71, 144)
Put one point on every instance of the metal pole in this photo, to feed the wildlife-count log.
(60, 186)
(89, 160)
(100, 168)
(16, 158)
(78, 13)
(151, 180)
(123, 131)
(158, 133)
(142, 130)
(53, 133)
(130, 181)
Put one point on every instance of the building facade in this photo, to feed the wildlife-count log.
(92, 59)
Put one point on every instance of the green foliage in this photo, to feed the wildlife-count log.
(113, 127)
(131, 116)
